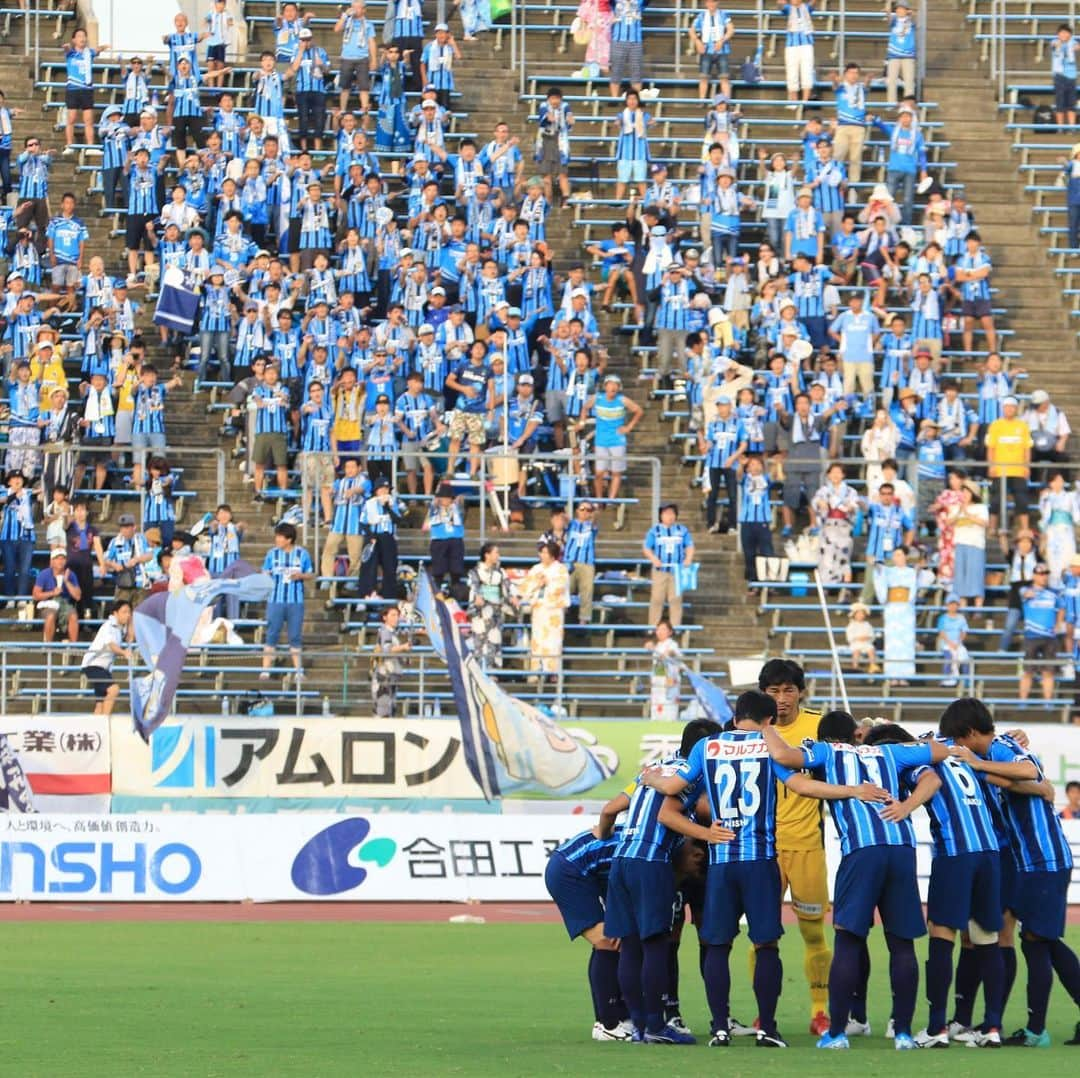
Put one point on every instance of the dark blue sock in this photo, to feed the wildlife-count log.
(671, 993)
(967, 985)
(1008, 959)
(718, 984)
(991, 965)
(844, 976)
(604, 981)
(904, 977)
(768, 979)
(858, 1000)
(593, 987)
(630, 979)
(1040, 979)
(938, 982)
(654, 979)
(1067, 967)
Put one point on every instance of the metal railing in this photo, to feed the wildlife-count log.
(492, 489)
(52, 675)
(176, 455)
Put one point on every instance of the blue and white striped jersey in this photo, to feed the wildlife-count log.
(859, 823)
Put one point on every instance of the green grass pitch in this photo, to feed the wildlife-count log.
(350, 999)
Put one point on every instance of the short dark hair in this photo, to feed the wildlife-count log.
(286, 531)
(887, 486)
(887, 733)
(1073, 785)
(697, 730)
(837, 726)
(781, 672)
(118, 606)
(486, 549)
(756, 707)
(965, 716)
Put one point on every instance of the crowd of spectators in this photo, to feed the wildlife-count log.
(383, 311)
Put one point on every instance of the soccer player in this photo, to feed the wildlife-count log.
(743, 878)
(965, 885)
(576, 878)
(877, 868)
(641, 894)
(1037, 893)
(800, 845)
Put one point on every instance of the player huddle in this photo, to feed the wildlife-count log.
(747, 798)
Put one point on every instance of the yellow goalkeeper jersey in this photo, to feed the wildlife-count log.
(799, 819)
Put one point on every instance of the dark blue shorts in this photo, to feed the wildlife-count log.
(1040, 902)
(1007, 871)
(737, 888)
(817, 329)
(579, 898)
(964, 888)
(882, 878)
(640, 898)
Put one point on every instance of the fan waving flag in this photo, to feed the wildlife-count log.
(712, 700)
(164, 626)
(178, 302)
(510, 746)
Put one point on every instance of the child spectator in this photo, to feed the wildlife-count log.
(860, 638)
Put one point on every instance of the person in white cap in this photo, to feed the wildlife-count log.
(437, 63)
(1050, 429)
(57, 595)
(1008, 452)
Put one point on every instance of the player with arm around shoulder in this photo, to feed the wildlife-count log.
(877, 866)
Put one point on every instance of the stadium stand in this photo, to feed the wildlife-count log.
(504, 76)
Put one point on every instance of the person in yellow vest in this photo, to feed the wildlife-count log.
(125, 382)
(800, 837)
(47, 367)
(348, 399)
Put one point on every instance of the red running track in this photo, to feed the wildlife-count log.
(240, 912)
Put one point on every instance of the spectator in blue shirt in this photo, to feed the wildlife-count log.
(79, 88)
(952, 628)
(857, 333)
(1070, 168)
(668, 545)
(973, 271)
(66, 236)
(1043, 610)
(446, 524)
(359, 52)
(289, 566)
(900, 51)
(57, 595)
(1063, 66)
(906, 160)
(710, 34)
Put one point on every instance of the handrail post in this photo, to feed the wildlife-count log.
(220, 457)
(841, 51)
(920, 72)
(761, 24)
(420, 690)
(48, 680)
(678, 37)
(3, 683)
(523, 52)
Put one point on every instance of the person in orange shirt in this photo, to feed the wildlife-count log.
(1008, 451)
